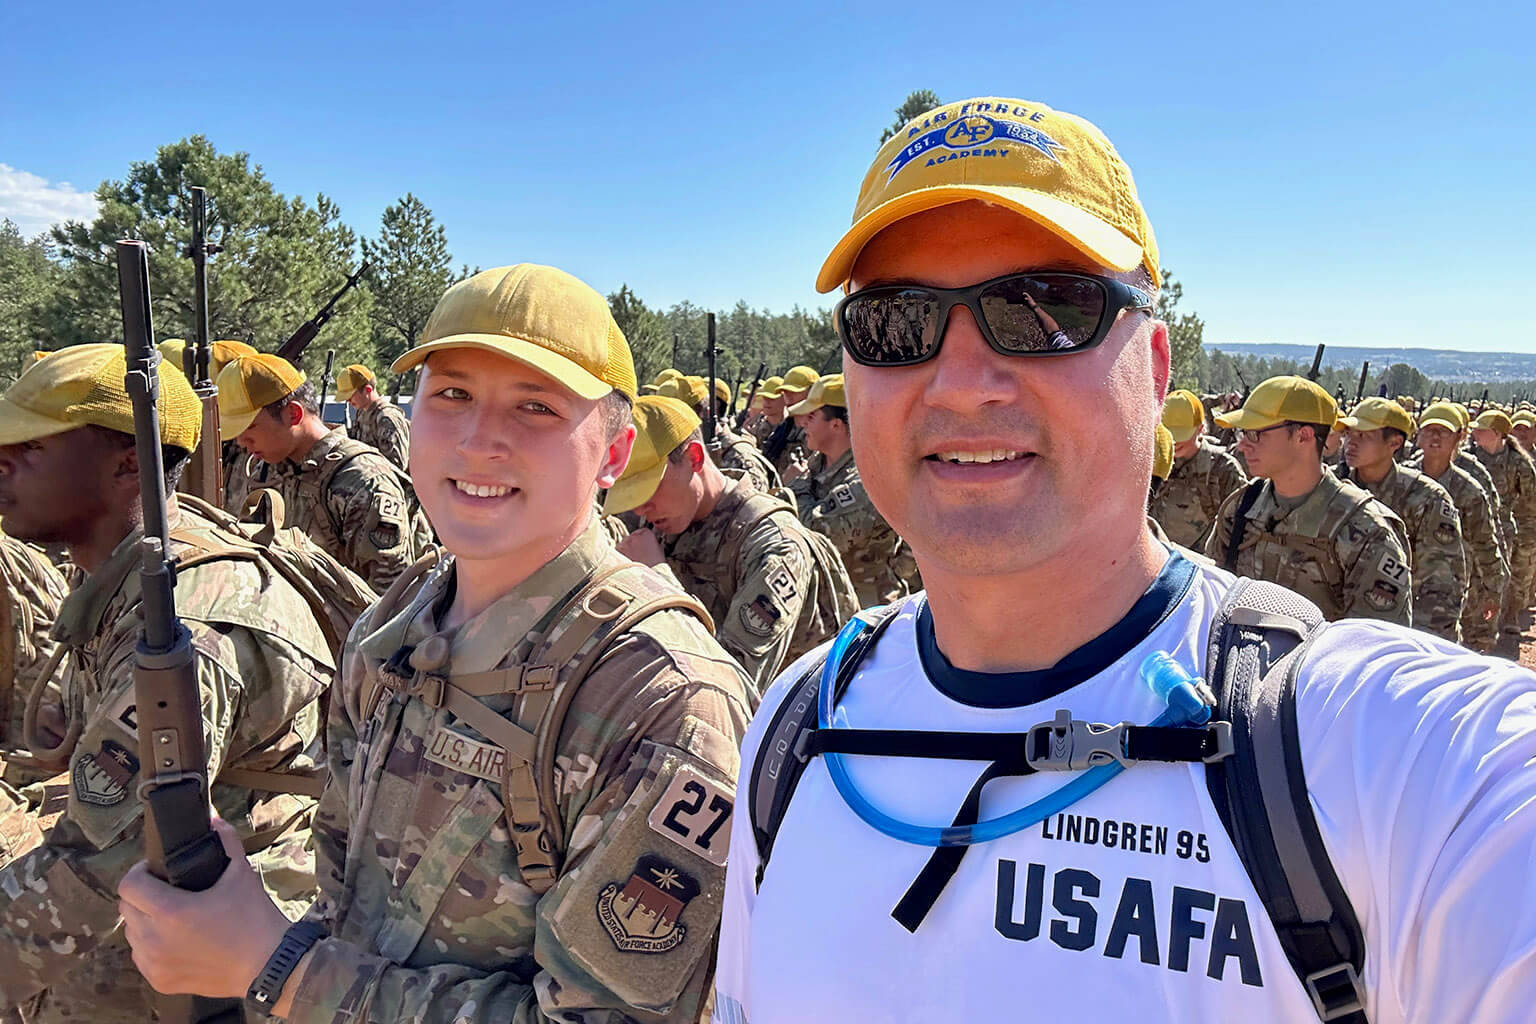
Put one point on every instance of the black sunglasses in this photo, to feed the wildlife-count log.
(1029, 314)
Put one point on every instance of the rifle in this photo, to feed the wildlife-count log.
(1364, 369)
(300, 339)
(1317, 364)
(325, 381)
(757, 382)
(709, 396)
(1243, 381)
(1483, 402)
(180, 845)
(205, 473)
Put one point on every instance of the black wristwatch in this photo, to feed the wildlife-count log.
(268, 985)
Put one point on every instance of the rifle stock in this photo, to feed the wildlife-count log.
(294, 347)
(180, 845)
(205, 473)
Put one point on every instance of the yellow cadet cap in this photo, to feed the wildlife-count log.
(648, 389)
(83, 385)
(1183, 415)
(1495, 420)
(1375, 413)
(1524, 417)
(674, 387)
(1283, 400)
(661, 424)
(723, 391)
(770, 388)
(249, 384)
(665, 375)
(538, 316)
(1162, 452)
(1054, 168)
(1442, 414)
(173, 350)
(799, 378)
(826, 391)
(352, 378)
(222, 353)
(1462, 414)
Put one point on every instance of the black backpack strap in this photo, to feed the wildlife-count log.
(1240, 523)
(783, 753)
(1257, 644)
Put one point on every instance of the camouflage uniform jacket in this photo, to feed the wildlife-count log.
(1514, 477)
(34, 589)
(1437, 554)
(1340, 548)
(739, 452)
(1504, 519)
(1488, 572)
(383, 426)
(833, 502)
(1189, 499)
(764, 605)
(759, 428)
(430, 918)
(261, 663)
(365, 519)
(794, 450)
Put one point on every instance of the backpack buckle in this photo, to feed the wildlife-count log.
(1336, 991)
(1071, 744)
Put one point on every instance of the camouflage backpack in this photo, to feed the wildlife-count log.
(348, 450)
(836, 601)
(566, 645)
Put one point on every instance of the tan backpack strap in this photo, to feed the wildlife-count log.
(57, 756)
(276, 514)
(762, 506)
(7, 661)
(309, 783)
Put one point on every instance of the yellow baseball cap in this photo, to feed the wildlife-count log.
(723, 391)
(1525, 417)
(1183, 415)
(220, 353)
(1162, 453)
(83, 385)
(771, 388)
(665, 375)
(348, 381)
(826, 391)
(1375, 413)
(249, 384)
(1495, 420)
(173, 350)
(1442, 414)
(538, 316)
(1462, 414)
(661, 424)
(1283, 400)
(799, 378)
(1056, 169)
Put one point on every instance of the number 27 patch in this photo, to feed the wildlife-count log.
(695, 813)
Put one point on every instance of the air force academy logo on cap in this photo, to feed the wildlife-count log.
(969, 136)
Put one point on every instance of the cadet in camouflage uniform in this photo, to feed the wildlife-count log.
(766, 411)
(345, 495)
(1514, 477)
(442, 900)
(1455, 413)
(1302, 527)
(1375, 432)
(34, 589)
(1203, 474)
(1488, 570)
(733, 452)
(833, 502)
(67, 476)
(761, 574)
(378, 422)
(789, 450)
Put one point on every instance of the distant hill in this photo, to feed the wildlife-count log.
(1435, 363)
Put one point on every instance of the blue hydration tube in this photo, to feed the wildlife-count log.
(1161, 673)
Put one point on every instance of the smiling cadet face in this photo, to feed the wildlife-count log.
(1076, 430)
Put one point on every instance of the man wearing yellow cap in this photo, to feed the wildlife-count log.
(1523, 429)
(1439, 428)
(379, 423)
(735, 454)
(832, 501)
(1018, 471)
(1514, 477)
(1455, 412)
(785, 447)
(1375, 433)
(69, 475)
(773, 590)
(766, 410)
(1300, 526)
(532, 746)
(346, 496)
(1203, 474)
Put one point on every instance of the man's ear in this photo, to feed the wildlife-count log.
(617, 457)
(293, 412)
(696, 456)
(1162, 359)
(125, 472)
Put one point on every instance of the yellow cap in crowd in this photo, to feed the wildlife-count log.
(83, 386)
(665, 375)
(1162, 452)
(826, 391)
(1183, 415)
(1375, 413)
(1283, 400)
(1056, 169)
(1494, 420)
(1443, 414)
(538, 316)
(770, 388)
(799, 378)
(249, 384)
(350, 380)
(661, 424)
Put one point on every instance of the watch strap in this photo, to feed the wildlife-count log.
(268, 986)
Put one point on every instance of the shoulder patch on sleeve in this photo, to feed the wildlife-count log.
(842, 496)
(694, 813)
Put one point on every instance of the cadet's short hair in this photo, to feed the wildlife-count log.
(1388, 433)
(305, 396)
(679, 455)
(172, 458)
(617, 410)
(836, 412)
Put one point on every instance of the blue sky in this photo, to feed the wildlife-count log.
(1345, 173)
